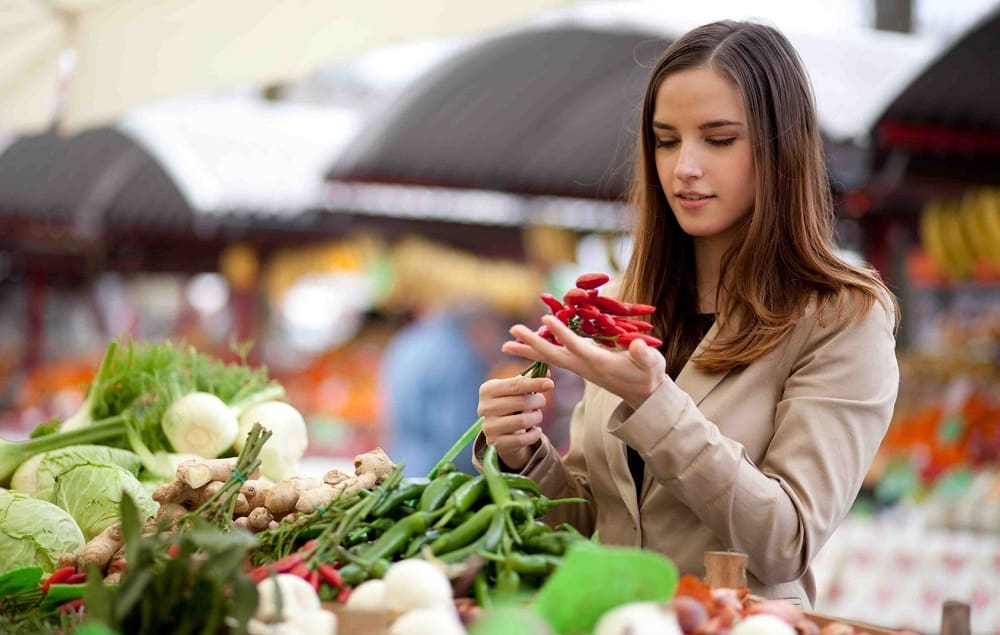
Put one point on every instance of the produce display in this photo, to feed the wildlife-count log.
(171, 504)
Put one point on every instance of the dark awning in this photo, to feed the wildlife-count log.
(548, 112)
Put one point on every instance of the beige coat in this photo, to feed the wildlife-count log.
(765, 461)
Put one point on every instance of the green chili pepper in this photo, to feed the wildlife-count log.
(531, 563)
(544, 504)
(438, 491)
(353, 574)
(555, 543)
(467, 532)
(409, 489)
(468, 494)
(531, 528)
(394, 540)
(499, 490)
(417, 544)
(489, 541)
(508, 582)
(481, 590)
(521, 482)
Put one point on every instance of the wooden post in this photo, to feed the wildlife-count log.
(725, 569)
(956, 618)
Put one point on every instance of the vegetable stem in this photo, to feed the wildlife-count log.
(13, 453)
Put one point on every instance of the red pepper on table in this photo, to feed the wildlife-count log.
(313, 580)
(76, 578)
(58, 576)
(71, 606)
(301, 570)
(344, 594)
(289, 562)
(330, 575)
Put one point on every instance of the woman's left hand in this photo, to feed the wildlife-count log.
(633, 375)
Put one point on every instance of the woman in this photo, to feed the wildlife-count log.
(753, 429)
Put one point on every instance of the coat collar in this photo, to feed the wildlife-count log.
(696, 383)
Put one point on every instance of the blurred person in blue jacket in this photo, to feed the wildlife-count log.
(431, 373)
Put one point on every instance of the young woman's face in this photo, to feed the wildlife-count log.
(702, 152)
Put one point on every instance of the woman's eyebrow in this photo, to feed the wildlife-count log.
(715, 123)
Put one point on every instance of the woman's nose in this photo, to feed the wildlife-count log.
(688, 165)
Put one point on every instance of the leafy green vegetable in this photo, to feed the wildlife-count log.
(40, 473)
(34, 532)
(637, 575)
(200, 590)
(92, 494)
(133, 387)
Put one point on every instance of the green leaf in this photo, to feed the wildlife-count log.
(61, 593)
(93, 628)
(20, 580)
(637, 575)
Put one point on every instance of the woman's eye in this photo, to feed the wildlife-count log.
(728, 141)
(661, 143)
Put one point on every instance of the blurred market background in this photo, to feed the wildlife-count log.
(371, 192)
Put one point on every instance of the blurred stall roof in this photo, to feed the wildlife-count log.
(550, 109)
(167, 164)
(960, 87)
(243, 156)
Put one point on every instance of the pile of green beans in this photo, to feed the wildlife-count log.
(490, 521)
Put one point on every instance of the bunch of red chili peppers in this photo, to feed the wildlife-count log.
(298, 564)
(601, 318)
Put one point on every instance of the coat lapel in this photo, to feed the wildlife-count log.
(695, 382)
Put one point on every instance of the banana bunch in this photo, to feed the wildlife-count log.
(963, 235)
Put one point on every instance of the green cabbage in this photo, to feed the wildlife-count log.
(38, 475)
(34, 532)
(92, 495)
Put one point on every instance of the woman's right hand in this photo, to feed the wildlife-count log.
(511, 411)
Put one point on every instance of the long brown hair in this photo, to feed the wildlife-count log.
(785, 254)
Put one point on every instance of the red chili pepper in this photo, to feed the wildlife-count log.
(588, 312)
(288, 563)
(552, 301)
(313, 580)
(308, 545)
(344, 594)
(628, 338)
(588, 327)
(640, 325)
(71, 606)
(592, 280)
(610, 305)
(576, 297)
(301, 570)
(259, 574)
(330, 575)
(119, 565)
(172, 551)
(606, 326)
(76, 578)
(629, 328)
(563, 315)
(641, 309)
(607, 343)
(59, 575)
(544, 332)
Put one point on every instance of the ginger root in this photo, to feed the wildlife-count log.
(198, 473)
(101, 547)
(255, 491)
(375, 462)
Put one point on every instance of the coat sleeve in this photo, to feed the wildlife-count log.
(834, 410)
(559, 477)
